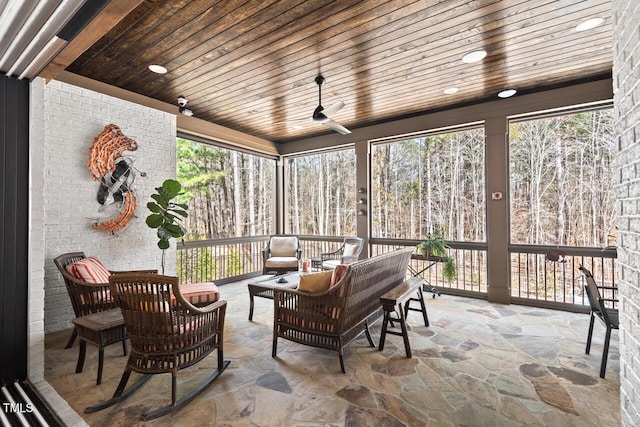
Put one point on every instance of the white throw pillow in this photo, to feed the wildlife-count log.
(350, 249)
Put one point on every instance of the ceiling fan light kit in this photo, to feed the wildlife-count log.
(323, 115)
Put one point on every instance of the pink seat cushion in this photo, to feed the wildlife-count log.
(89, 270)
(198, 293)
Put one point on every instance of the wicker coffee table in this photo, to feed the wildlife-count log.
(264, 285)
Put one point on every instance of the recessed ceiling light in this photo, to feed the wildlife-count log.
(451, 90)
(507, 93)
(157, 69)
(475, 56)
(589, 24)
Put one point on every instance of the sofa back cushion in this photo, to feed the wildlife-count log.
(89, 270)
(283, 246)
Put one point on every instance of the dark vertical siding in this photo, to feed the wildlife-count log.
(14, 215)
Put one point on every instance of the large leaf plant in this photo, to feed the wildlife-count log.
(166, 215)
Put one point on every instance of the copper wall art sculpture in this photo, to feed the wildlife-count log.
(117, 176)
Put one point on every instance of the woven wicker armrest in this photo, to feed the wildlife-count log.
(92, 286)
(186, 305)
(332, 255)
(87, 298)
(96, 286)
(206, 320)
(133, 271)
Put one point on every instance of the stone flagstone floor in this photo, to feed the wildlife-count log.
(478, 364)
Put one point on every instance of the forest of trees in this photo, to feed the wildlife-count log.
(322, 194)
(229, 193)
(562, 188)
(432, 184)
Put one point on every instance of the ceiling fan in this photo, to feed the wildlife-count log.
(323, 115)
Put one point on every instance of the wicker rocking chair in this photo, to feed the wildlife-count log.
(86, 298)
(167, 334)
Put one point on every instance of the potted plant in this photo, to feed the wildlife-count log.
(435, 247)
(166, 214)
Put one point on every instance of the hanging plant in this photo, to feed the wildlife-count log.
(166, 214)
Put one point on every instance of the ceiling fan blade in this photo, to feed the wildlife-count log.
(337, 127)
(333, 109)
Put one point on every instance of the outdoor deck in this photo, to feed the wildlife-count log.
(478, 364)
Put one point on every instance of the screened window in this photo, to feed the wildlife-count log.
(321, 194)
(561, 179)
(430, 184)
(229, 193)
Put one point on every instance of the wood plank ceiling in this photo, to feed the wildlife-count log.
(248, 64)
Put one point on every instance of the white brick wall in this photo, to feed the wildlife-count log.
(626, 74)
(72, 118)
(36, 234)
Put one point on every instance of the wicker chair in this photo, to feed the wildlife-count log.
(281, 254)
(345, 254)
(86, 298)
(165, 336)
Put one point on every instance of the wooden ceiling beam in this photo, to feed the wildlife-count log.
(108, 17)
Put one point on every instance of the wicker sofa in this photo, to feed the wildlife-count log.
(334, 318)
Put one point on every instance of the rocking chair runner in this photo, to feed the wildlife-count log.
(165, 337)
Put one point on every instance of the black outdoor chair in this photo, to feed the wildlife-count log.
(609, 316)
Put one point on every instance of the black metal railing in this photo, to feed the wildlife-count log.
(540, 275)
(231, 259)
(219, 259)
(551, 274)
(470, 258)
